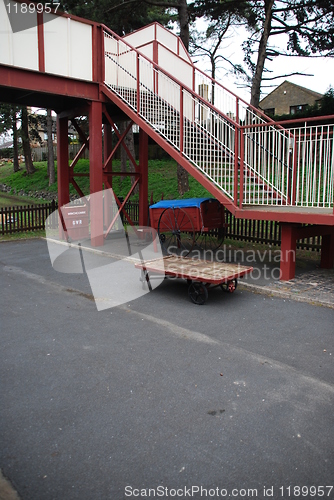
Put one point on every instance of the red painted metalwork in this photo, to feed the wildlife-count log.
(141, 172)
(76, 158)
(82, 135)
(242, 166)
(43, 83)
(96, 171)
(236, 156)
(120, 141)
(138, 85)
(121, 207)
(308, 216)
(327, 250)
(143, 180)
(97, 53)
(290, 233)
(40, 34)
(78, 189)
(294, 175)
(62, 162)
(288, 252)
(62, 170)
(107, 146)
(181, 119)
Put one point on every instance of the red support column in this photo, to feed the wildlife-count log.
(327, 250)
(107, 179)
(107, 145)
(143, 181)
(63, 171)
(96, 173)
(288, 251)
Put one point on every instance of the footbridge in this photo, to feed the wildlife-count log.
(257, 168)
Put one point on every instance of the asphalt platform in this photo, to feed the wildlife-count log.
(158, 397)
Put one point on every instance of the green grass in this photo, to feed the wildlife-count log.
(162, 180)
(7, 200)
(26, 235)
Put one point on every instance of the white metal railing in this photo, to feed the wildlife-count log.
(268, 158)
(314, 177)
(226, 101)
(277, 166)
(293, 167)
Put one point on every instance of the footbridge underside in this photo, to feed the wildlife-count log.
(256, 168)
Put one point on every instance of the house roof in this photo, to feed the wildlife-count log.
(287, 84)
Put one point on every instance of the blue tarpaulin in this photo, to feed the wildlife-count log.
(189, 202)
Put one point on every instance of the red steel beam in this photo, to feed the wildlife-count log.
(62, 162)
(276, 214)
(143, 180)
(96, 173)
(121, 208)
(33, 81)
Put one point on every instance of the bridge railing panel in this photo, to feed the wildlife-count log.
(314, 146)
(68, 47)
(267, 166)
(18, 43)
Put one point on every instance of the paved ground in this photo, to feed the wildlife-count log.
(159, 393)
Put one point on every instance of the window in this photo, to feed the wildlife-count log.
(297, 109)
(269, 111)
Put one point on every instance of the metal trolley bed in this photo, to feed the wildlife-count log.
(199, 274)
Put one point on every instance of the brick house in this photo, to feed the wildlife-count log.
(289, 98)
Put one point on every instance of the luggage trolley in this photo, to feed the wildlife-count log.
(181, 224)
(199, 274)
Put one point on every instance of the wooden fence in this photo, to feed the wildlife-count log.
(33, 217)
(25, 218)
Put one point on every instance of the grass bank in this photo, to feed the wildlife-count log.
(8, 200)
(162, 180)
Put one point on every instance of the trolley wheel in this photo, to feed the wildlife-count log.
(198, 293)
(209, 240)
(229, 286)
(176, 232)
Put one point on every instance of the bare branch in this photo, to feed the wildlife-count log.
(288, 74)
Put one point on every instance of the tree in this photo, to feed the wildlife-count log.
(208, 44)
(307, 24)
(15, 140)
(122, 17)
(51, 162)
(8, 124)
(26, 141)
